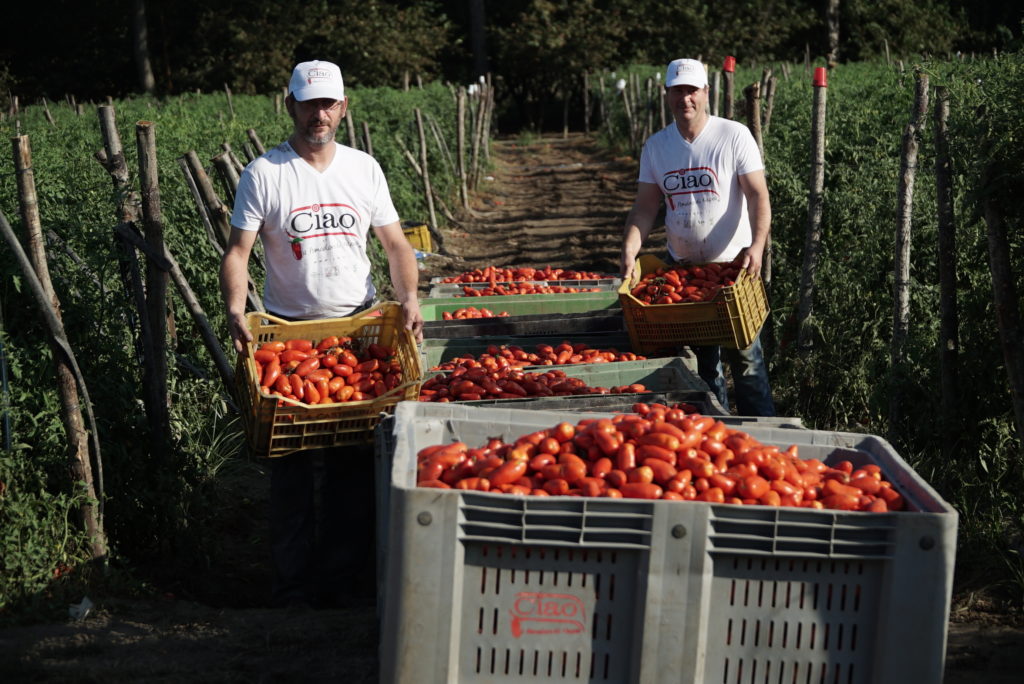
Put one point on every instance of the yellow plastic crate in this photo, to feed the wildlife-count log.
(276, 427)
(418, 237)
(732, 319)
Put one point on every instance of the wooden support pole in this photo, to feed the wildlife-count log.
(425, 172)
(219, 215)
(901, 265)
(67, 384)
(255, 140)
(155, 374)
(367, 140)
(351, 126)
(949, 319)
(461, 144)
(815, 210)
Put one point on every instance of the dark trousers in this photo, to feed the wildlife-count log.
(322, 526)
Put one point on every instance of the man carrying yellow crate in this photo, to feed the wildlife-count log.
(710, 174)
(312, 202)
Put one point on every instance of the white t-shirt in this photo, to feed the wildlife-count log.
(314, 228)
(705, 210)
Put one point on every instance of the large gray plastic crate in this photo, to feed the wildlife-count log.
(495, 588)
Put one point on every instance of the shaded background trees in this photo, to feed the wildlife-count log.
(536, 48)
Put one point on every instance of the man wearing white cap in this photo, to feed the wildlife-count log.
(313, 202)
(709, 173)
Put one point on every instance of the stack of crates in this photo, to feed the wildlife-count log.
(483, 587)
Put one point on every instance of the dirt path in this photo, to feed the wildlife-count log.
(550, 202)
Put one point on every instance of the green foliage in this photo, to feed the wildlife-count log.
(846, 381)
(159, 509)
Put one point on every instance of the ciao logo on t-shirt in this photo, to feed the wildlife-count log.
(684, 182)
(321, 220)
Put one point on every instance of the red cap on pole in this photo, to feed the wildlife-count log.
(821, 77)
(730, 64)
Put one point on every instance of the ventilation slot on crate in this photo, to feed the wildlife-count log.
(792, 620)
(538, 613)
(763, 530)
(570, 521)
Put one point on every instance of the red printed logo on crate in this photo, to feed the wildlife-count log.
(539, 613)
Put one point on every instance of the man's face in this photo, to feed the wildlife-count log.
(687, 102)
(316, 121)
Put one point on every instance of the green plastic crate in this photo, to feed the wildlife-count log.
(434, 352)
(433, 309)
(657, 375)
(603, 320)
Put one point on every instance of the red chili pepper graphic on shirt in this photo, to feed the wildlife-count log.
(297, 247)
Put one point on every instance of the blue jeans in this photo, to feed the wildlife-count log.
(749, 374)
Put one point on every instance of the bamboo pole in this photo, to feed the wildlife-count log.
(351, 126)
(425, 172)
(155, 369)
(728, 69)
(478, 124)
(231, 105)
(769, 104)
(111, 157)
(815, 210)
(367, 140)
(949, 320)
(218, 212)
(461, 143)
(901, 267)
(435, 131)
(167, 262)
(71, 410)
(59, 339)
(228, 174)
(255, 140)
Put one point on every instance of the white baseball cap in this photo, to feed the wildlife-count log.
(686, 72)
(315, 80)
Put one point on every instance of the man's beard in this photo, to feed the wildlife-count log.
(307, 133)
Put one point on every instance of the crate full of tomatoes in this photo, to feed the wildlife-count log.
(667, 306)
(322, 383)
(784, 555)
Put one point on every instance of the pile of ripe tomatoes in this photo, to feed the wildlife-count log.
(656, 452)
(482, 382)
(566, 353)
(524, 288)
(681, 284)
(331, 371)
(471, 312)
(495, 274)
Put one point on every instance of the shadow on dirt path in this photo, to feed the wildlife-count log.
(551, 201)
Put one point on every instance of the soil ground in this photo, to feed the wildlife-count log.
(547, 201)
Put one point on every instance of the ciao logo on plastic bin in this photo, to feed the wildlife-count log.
(539, 613)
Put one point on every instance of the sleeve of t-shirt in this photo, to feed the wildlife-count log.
(384, 211)
(647, 174)
(748, 157)
(248, 212)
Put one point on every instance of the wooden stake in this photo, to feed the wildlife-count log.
(255, 140)
(367, 140)
(425, 172)
(350, 124)
(231, 106)
(949, 319)
(901, 267)
(155, 369)
(228, 175)
(461, 132)
(815, 210)
(71, 410)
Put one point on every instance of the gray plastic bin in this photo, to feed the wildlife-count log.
(488, 587)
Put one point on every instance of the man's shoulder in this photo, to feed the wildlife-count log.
(727, 127)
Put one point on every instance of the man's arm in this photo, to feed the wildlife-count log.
(405, 274)
(234, 283)
(759, 209)
(639, 224)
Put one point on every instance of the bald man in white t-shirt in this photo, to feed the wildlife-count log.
(709, 174)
